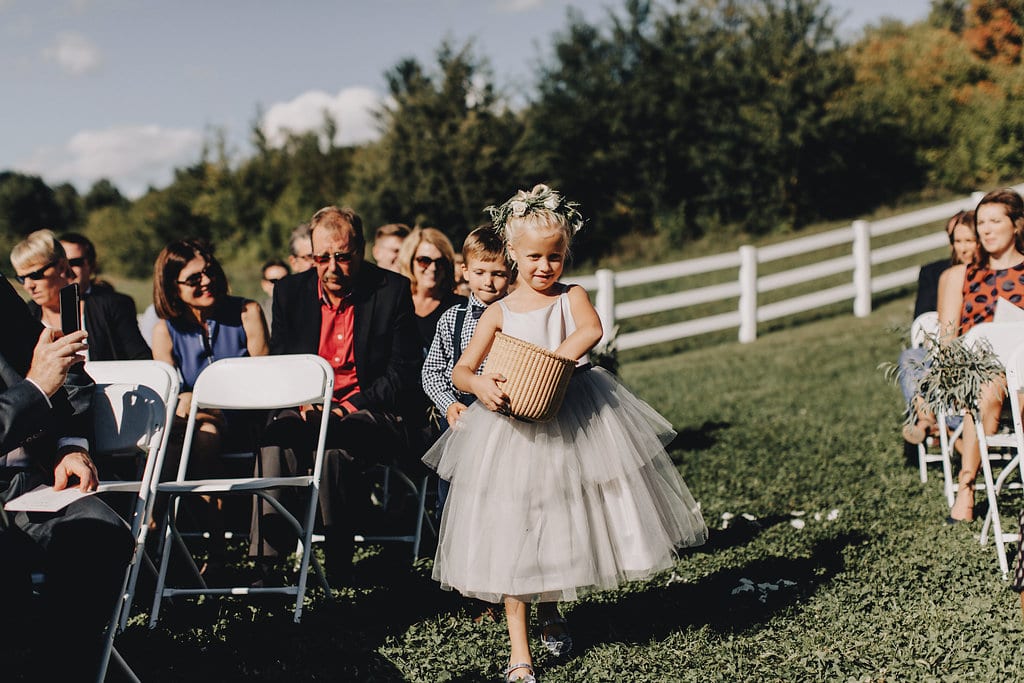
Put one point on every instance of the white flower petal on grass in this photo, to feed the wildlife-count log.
(797, 523)
(749, 517)
(747, 582)
(817, 516)
(743, 588)
(787, 583)
(833, 515)
(797, 513)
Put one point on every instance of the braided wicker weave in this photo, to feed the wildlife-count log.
(536, 379)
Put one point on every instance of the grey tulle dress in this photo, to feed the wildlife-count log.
(546, 511)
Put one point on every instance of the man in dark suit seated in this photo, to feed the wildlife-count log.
(360, 319)
(83, 549)
(110, 317)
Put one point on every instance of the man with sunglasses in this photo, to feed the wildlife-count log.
(360, 319)
(83, 549)
(109, 316)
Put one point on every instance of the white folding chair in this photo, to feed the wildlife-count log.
(1000, 449)
(261, 383)
(133, 406)
(924, 327)
(410, 488)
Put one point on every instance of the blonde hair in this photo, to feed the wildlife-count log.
(436, 238)
(41, 245)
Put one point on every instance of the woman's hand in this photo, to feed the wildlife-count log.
(486, 388)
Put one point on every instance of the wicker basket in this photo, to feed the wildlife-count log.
(536, 379)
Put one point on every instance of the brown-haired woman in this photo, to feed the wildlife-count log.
(967, 296)
(200, 323)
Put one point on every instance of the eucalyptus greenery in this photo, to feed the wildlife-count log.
(952, 374)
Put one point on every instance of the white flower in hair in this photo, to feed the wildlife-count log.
(540, 198)
(519, 208)
(551, 202)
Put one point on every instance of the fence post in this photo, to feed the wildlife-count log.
(605, 301)
(748, 294)
(862, 269)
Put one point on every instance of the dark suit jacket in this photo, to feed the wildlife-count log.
(387, 348)
(112, 324)
(25, 417)
(928, 286)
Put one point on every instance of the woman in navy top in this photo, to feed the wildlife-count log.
(200, 323)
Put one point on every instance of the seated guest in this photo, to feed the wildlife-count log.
(387, 242)
(965, 300)
(83, 549)
(298, 249)
(109, 317)
(272, 271)
(199, 324)
(964, 249)
(360, 319)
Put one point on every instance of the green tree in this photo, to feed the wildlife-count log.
(446, 149)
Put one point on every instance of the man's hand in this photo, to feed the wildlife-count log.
(76, 463)
(454, 412)
(53, 357)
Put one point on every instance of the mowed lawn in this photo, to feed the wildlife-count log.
(835, 564)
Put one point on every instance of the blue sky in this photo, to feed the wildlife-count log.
(129, 89)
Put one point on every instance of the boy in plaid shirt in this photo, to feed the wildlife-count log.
(487, 273)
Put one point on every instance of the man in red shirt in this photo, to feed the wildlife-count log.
(360, 319)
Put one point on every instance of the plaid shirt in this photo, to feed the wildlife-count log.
(440, 360)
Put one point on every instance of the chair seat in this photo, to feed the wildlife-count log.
(230, 485)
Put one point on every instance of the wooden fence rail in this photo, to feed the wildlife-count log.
(604, 283)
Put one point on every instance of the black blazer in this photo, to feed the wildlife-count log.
(928, 286)
(387, 347)
(112, 323)
(26, 419)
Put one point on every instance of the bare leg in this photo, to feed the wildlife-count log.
(990, 404)
(517, 614)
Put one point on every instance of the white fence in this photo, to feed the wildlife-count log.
(604, 283)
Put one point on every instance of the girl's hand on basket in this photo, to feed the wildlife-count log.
(486, 389)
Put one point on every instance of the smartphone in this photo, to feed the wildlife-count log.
(70, 316)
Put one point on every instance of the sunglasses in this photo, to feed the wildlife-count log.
(337, 257)
(272, 280)
(76, 262)
(195, 280)
(35, 274)
(425, 261)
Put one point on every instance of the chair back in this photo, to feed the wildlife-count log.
(264, 382)
(924, 326)
(133, 404)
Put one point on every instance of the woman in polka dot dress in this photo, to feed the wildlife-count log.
(967, 296)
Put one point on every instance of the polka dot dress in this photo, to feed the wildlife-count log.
(983, 287)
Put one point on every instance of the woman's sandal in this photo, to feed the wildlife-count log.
(528, 678)
(559, 645)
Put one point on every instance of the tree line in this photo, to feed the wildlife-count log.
(671, 118)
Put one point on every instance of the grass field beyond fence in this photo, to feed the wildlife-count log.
(796, 430)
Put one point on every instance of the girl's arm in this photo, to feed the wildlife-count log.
(484, 387)
(951, 300)
(588, 325)
(255, 326)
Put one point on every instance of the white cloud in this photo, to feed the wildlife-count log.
(132, 157)
(516, 6)
(351, 108)
(74, 53)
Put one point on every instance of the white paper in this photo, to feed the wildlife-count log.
(44, 499)
(1007, 312)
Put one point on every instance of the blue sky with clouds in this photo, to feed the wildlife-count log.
(129, 89)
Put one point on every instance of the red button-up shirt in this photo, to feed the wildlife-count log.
(337, 347)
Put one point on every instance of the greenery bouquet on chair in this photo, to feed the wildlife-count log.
(950, 377)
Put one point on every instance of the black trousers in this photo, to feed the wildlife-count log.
(355, 443)
(83, 551)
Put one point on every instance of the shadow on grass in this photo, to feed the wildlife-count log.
(729, 601)
(697, 439)
(740, 532)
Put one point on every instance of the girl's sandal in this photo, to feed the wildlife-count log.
(528, 678)
(559, 644)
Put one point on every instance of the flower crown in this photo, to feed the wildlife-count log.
(541, 197)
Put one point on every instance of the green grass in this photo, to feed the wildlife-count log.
(801, 420)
